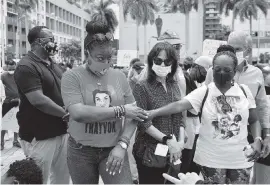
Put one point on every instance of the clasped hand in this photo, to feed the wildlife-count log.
(175, 149)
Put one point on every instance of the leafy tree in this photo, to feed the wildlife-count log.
(71, 50)
(23, 8)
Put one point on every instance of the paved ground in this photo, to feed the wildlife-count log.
(9, 155)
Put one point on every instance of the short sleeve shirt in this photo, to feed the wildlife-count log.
(223, 132)
(79, 85)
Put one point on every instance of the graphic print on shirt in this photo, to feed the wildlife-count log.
(101, 98)
(228, 119)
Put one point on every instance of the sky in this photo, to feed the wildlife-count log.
(115, 8)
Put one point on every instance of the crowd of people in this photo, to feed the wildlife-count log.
(162, 120)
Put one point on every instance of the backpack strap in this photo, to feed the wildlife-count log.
(242, 88)
(204, 99)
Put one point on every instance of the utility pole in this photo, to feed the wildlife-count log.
(2, 15)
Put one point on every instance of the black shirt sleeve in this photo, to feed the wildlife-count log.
(27, 79)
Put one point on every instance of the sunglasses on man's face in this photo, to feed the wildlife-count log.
(50, 39)
(159, 61)
(177, 46)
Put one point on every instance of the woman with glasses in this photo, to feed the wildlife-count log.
(226, 108)
(98, 99)
(158, 142)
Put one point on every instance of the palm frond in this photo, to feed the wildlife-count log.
(142, 11)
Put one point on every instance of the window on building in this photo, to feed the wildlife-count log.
(10, 41)
(60, 12)
(262, 45)
(64, 14)
(23, 44)
(57, 26)
(51, 8)
(23, 31)
(64, 28)
(254, 45)
(10, 28)
(80, 21)
(56, 10)
(51, 24)
(48, 22)
(74, 19)
(267, 45)
(67, 16)
(211, 15)
(15, 30)
(267, 33)
(60, 27)
(70, 17)
(47, 7)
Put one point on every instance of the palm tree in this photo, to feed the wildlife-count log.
(184, 6)
(248, 9)
(143, 12)
(102, 12)
(23, 8)
(227, 6)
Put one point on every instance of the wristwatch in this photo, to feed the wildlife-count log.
(166, 138)
(123, 145)
(259, 138)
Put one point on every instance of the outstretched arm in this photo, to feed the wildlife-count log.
(172, 108)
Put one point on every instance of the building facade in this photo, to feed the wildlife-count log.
(67, 21)
(212, 19)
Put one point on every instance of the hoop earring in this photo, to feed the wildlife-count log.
(232, 82)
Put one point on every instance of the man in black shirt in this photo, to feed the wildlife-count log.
(41, 114)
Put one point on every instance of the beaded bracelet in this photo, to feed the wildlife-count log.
(119, 111)
(123, 109)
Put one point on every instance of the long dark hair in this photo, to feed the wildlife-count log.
(171, 54)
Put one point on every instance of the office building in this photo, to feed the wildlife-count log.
(212, 19)
(67, 21)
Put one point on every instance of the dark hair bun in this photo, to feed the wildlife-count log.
(223, 48)
(95, 27)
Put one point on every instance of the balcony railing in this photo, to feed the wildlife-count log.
(11, 10)
(11, 1)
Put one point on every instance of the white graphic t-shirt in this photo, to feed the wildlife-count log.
(223, 132)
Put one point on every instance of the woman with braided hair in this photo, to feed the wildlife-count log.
(223, 133)
(98, 99)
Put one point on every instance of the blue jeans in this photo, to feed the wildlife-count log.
(86, 163)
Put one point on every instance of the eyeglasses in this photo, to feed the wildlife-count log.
(159, 61)
(225, 106)
(225, 69)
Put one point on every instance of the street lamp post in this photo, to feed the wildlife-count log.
(2, 32)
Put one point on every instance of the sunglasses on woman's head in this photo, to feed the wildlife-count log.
(159, 61)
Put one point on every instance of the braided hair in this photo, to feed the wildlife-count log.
(25, 171)
(228, 51)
